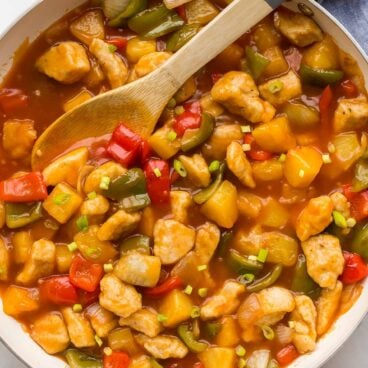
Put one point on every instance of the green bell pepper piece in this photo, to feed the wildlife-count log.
(302, 283)
(189, 340)
(135, 202)
(21, 214)
(193, 138)
(242, 264)
(171, 24)
(133, 8)
(212, 329)
(320, 77)
(257, 63)
(78, 359)
(138, 243)
(360, 180)
(226, 237)
(182, 36)
(266, 281)
(148, 19)
(359, 242)
(207, 193)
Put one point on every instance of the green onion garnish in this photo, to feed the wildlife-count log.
(180, 169)
(162, 318)
(72, 247)
(105, 183)
(339, 219)
(275, 86)
(62, 198)
(196, 312)
(82, 223)
(262, 255)
(214, 166)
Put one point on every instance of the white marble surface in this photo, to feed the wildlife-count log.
(354, 354)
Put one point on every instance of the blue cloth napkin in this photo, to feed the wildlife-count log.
(353, 14)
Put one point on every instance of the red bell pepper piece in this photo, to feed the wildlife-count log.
(157, 174)
(145, 151)
(286, 355)
(12, 100)
(325, 104)
(181, 12)
(349, 89)
(116, 360)
(355, 268)
(193, 106)
(84, 274)
(256, 153)
(168, 285)
(27, 188)
(58, 290)
(189, 119)
(86, 298)
(358, 202)
(120, 154)
(119, 42)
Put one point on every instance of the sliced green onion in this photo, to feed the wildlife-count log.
(242, 363)
(240, 351)
(92, 195)
(112, 48)
(180, 169)
(246, 147)
(262, 255)
(93, 252)
(72, 247)
(245, 129)
(172, 103)
(105, 183)
(249, 277)
(179, 110)
(161, 318)
(275, 86)
(157, 172)
(196, 312)
(339, 219)
(82, 223)
(268, 332)
(108, 267)
(188, 290)
(171, 136)
(326, 158)
(202, 268)
(202, 292)
(98, 340)
(77, 308)
(107, 351)
(253, 258)
(214, 166)
(282, 157)
(62, 198)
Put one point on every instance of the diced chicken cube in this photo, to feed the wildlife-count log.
(144, 320)
(351, 114)
(102, 320)
(49, 331)
(119, 223)
(163, 346)
(314, 218)
(197, 170)
(89, 26)
(304, 324)
(172, 240)
(239, 165)
(67, 62)
(4, 261)
(95, 206)
(139, 269)
(249, 204)
(291, 88)
(112, 65)
(150, 62)
(79, 329)
(239, 94)
(119, 298)
(210, 106)
(225, 301)
(180, 204)
(327, 306)
(325, 261)
(341, 204)
(18, 137)
(40, 263)
(207, 240)
(299, 29)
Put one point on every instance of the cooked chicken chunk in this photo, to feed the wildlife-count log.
(172, 240)
(163, 346)
(119, 298)
(102, 320)
(239, 165)
(341, 204)
(298, 28)
(49, 331)
(67, 62)
(327, 306)
(139, 269)
(207, 240)
(180, 204)
(304, 318)
(291, 88)
(113, 67)
(40, 263)
(314, 218)
(18, 137)
(351, 114)
(197, 170)
(150, 62)
(325, 261)
(95, 206)
(4, 261)
(238, 93)
(144, 320)
(224, 301)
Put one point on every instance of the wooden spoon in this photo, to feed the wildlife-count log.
(140, 104)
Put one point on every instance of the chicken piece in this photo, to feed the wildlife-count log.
(88, 26)
(119, 298)
(142, 361)
(119, 223)
(211, 107)
(172, 240)
(150, 62)
(112, 65)
(197, 170)
(79, 329)
(325, 261)
(239, 94)
(144, 320)
(18, 137)
(102, 320)
(341, 204)
(327, 306)
(111, 169)
(291, 88)
(4, 261)
(95, 206)
(314, 218)
(239, 165)
(351, 114)
(299, 29)
(139, 269)
(249, 204)
(207, 240)
(66, 62)
(40, 263)
(224, 301)
(180, 204)
(304, 318)
(163, 346)
(50, 332)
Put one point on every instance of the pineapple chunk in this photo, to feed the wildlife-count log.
(162, 145)
(229, 335)
(90, 25)
(200, 12)
(4, 261)
(64, 258)
(22, 243)
(278, 64)
(136, 48)
(273, 214)
(211, 357)
(122, 339)
(77, 100)
(18, 300)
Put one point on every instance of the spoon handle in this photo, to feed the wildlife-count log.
(226, 28)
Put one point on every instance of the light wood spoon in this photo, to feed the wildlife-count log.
(140, 104)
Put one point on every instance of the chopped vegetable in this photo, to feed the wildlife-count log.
(19, 215)
(136, 243)
(182, 36)
(116, 360)
(58, 290)
(355, 269)
(158, 187)
(168, 285)
(257, 62)
(189, 339)
(78, 359)
(266, 281)
(12, 100)
(287, 355)
(241, 264)
(320, 77)
(134, 7)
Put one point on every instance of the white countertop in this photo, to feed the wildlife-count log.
(354, 353)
